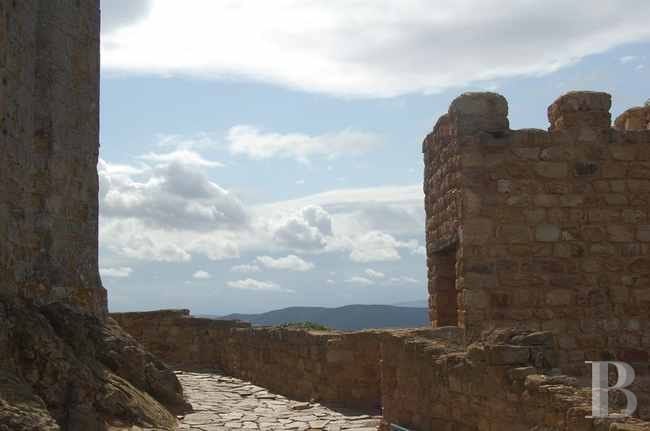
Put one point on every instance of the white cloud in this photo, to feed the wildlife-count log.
(374, 274)
(202, 275)
(252, 284)
(245, 268)
(628, 59)
(134, 238)
(330, 281)
(168, 212)
(421, 250)
(318, 46)
(360, 280)
(182, 156)
(121, 13)
(117, 272)
(173, 211)
(403, 280)
(256, 144)
(376, 246)
(396, 210)
(192, 142)
(290, 263)
(305, 229)
(174, 195)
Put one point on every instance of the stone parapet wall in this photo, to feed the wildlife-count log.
(428, 385)
(328, 366)
(424, 379)
(183, 342)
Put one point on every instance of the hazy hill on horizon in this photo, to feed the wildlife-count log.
(349, 317)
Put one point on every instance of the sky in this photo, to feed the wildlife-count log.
(263, 154)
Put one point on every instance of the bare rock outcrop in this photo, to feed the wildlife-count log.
(62, 369)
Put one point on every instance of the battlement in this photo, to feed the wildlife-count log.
(542, 230)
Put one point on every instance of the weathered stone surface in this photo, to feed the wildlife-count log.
(326, 366)
(634, 119)
(577, 193)
(587, 109)
(480, 111)
(211, 394)
(60, 366)
(427, 378)
(62, 363)
(49, 121)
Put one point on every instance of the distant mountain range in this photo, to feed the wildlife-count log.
(349, 317)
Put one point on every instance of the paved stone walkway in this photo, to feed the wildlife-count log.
(225, 403)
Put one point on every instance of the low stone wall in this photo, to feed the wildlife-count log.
(423, 379)
(332, 367)
(181, 341)
(434, 384)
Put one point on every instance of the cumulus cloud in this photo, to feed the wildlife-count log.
(256, 144)
(396, 210)
(306, 229)
(289, 263)
(245, 268)
(201, 275)
(117, 272)
(169, 211)
(376, 246)
(137, 239)
(252, 284)
(174, 195)
(374, 274)
(360, 281)
(317, 46)
(164, 207)
(628, 58)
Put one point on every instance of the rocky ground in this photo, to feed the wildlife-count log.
(224, 403)
(63, 370)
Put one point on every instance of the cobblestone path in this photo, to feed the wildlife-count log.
(225, 403)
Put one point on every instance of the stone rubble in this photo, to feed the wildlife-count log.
(225, 403)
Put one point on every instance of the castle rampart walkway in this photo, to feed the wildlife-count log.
(225, 403)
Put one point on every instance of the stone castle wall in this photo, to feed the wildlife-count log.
(543, 230)
(332, 367)
(425, 379)
(49, 125)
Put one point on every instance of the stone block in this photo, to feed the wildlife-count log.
(581, 109)
(586, 169)
(477, 230)
(559, 297)
(547, 232)
(504, 354)
(620, 233)
(643, 233)
(473, 112)
(551, 169)
(623, 152)
(513, 233)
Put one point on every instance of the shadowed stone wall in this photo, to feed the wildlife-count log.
(424, 379)
(542, 230)
(333, 367)
(49, 125)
